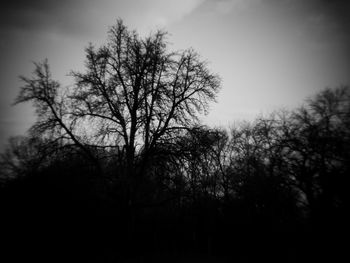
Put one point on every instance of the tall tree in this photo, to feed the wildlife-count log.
(133, 96)
(138, 93)
(53, 114)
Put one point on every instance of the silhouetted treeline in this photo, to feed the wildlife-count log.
(274, 189)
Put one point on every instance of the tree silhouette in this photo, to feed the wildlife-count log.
(138, 93)
(22, 157)
(133, 95)
(317, 140)
(53, 120)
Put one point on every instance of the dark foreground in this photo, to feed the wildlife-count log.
(38, 227)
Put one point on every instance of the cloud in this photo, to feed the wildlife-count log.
(80, 17)
(227, 6)
(163, 13)
(336, 11)
(318, 12)
(42, 15)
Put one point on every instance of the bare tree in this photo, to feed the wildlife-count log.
(53, 116)
(23, 156)
(318, 142)
(133, 96)
(138, 94)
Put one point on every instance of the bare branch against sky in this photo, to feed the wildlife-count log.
(269, 54)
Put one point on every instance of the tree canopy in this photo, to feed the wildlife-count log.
(133, 95)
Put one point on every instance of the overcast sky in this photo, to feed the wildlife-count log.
(270, 54)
